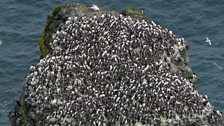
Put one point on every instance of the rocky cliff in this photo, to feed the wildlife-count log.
(99, 67)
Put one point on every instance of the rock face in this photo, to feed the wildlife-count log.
(104, 68)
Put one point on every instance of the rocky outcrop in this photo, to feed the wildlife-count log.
(85, 76)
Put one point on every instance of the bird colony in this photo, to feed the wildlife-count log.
(112, 70)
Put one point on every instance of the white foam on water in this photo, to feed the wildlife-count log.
(1, 42)
(220, 67)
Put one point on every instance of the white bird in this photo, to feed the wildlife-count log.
(208, 41)
(142, 11)
(95, 7)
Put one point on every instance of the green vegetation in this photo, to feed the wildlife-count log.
(53, 21)
(134, 13)
(21, 107)
(43, 48)
(133, 10)
(20, 111)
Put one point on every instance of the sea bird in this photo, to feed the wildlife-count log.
(95, 7)
(208, 41)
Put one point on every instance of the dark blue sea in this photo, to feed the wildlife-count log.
(21, 23)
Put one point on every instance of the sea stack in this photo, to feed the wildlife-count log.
(102, 68)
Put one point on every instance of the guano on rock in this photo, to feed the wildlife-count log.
(99, 67)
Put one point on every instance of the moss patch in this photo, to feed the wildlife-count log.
(43, 48)
(133, 10)
(134, 13)
(53, 22)
(23, 112)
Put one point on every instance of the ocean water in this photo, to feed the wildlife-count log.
(21, 23)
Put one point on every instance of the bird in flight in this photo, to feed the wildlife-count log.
(208, 41)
